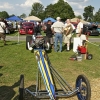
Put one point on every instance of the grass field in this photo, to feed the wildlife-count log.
(16, 60)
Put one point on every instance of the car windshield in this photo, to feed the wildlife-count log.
(27, 24)
(98, 29)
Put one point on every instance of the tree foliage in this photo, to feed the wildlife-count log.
(4, 14)
(12, 15)
(22, 15)
(61, 8)
(88, 13)
(37, 10)
(97, 16)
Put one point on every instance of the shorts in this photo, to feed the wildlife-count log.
(3, 35)
(66, 39)
(51, 40)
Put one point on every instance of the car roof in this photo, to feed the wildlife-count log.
(28, 22)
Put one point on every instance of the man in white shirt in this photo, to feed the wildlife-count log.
(2, 30)
(79, 28)
(58, 28)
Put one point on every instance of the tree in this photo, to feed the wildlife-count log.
(61, 8)
(4, 14)
(37, 10)
(88, 13)
(49, 11)
(79, 16)
(11, 15)
(97, 16)
(23, 15)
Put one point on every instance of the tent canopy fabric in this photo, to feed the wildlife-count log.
(30, 18)
(14, 18)
(49, 18)
(75, 20)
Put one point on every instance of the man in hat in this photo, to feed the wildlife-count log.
(2, 30)
(57, 29)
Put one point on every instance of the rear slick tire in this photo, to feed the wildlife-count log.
(83, 84)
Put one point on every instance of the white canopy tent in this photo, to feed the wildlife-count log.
(33, 18)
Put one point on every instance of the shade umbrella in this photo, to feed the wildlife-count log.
(30, 18)
(49, 18)
(14, 18)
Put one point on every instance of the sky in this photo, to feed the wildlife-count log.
(18, 7)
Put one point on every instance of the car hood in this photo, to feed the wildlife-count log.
(27, 26)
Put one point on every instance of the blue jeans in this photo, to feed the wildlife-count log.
(58, 37)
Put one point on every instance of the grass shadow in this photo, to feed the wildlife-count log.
(27, 95)
(1, 73)
(7, 92)
(49, 51)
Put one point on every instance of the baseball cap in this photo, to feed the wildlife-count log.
(58, 18)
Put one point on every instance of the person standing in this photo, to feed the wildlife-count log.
(49, 33)
(79, 28)
(15, 25)
(69, 27)
(57, 29)
(2, 30)
(38, 28)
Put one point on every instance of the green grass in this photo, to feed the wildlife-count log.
(16, 60)
(13, 33)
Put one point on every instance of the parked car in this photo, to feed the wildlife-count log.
(93, 30)
(10, 28)
(98, 30)
(27, 28)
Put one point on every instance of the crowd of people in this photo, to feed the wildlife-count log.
(62, 32)
(6, 27)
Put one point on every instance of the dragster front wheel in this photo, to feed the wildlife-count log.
(21, 88)
(84, 92)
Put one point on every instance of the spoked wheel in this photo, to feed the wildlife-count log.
(83, 84)
(21, 88)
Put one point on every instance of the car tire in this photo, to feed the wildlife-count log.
(28, 41)
(84, 92)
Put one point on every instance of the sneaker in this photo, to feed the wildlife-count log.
(67, 50)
